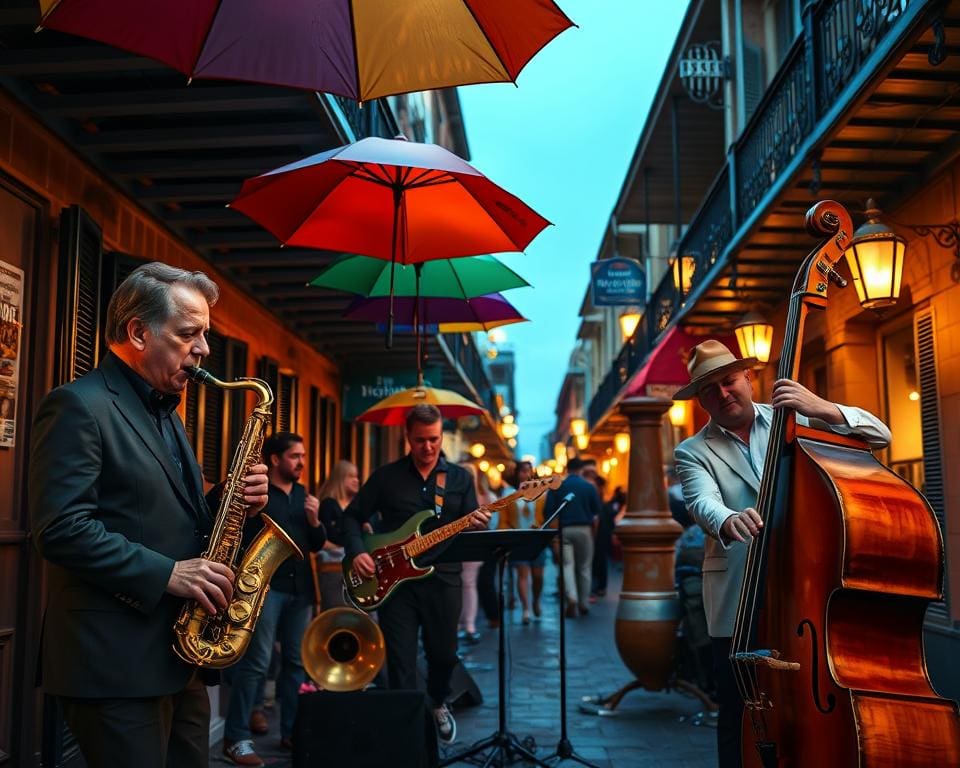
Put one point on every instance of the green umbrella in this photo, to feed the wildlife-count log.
(463, 278)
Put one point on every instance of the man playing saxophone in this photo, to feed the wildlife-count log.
(117, 510)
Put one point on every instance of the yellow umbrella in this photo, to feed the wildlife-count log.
(392, 411)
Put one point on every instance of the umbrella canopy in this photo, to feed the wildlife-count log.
(443, 278)
(483, 312)
(362, 50)
(392, 411)
(389, 198)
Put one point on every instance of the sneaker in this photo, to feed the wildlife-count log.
(242, 753)
(446, 725)
(258, 723)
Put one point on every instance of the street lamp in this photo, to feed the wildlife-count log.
(754, 336)
(582, 441)
(509, 429)
(678, 413)
(683, 268)
(578, 427)
(621, 441)
(875, 258)
(629, 320)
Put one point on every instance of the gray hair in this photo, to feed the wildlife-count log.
(146, 294)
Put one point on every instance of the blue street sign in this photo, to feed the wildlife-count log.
(618, 282)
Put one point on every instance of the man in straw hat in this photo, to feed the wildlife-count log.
(721, 467)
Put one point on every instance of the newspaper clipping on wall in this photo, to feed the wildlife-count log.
(11, 327)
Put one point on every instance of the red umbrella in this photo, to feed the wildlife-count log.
(389, 198)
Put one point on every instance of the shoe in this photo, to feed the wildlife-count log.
(593, 598)
(473, 638)
(242, 753)
(536, 609)
(584, 610)
(286, 743)
(571, 612)
(258, 723)
(526, 618)
(446, 725)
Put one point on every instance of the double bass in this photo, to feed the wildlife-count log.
(827, 648)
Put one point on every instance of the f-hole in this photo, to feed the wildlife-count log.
(815, 669)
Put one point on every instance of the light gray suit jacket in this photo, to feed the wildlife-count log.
(718, 482)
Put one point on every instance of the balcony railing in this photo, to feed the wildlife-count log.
(464, 353)
(842, 40)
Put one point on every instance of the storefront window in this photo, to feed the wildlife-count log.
(903, 405)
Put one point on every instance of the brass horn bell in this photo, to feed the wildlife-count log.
(342, 649)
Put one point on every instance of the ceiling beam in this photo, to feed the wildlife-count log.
(185, 100)
(233, 135)
(201, 192)
(72, 60)
(161, 166)
(232, 238)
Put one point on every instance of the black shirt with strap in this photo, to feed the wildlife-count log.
(398, 491)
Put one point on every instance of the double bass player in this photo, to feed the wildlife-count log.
(721, 468)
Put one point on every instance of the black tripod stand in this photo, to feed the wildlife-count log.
(564, 749)
(504, 747)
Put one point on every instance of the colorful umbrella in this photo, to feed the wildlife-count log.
(362, 50)
(481, 313)
(390, 198)
(392, 410)
(444, 278)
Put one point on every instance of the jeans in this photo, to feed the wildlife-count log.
(284, 618)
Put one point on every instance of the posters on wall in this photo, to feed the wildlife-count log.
(11, 327)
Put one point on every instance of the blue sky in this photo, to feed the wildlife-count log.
(561, 140)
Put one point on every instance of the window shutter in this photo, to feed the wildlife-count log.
(79, 310)
(924, 328)
(286, 403)
(268, 369)
(752, 74)
(213, 398)
(237, 411)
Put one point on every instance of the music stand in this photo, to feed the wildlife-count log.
(500, 544)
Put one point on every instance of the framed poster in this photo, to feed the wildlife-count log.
(11, 326)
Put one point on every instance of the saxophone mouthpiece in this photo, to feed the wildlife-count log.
(197, 374)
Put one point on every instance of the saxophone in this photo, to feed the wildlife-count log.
(221, 640)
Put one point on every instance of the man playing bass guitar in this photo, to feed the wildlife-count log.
(423, 479)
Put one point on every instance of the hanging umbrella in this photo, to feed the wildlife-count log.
(362, 50)
(392, 411)
(392, 199)
(443, 278)
(481, 313)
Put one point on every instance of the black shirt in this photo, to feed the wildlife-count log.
(331, 515)
(293, 577)
(398, 491)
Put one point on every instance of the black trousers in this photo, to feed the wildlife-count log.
(730, 718)
(158, 732)
(430, 605)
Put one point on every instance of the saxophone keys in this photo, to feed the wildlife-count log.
(239, 611)
(249, 581)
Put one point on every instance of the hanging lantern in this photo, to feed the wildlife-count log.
(629, 321)
(582, 442)
(484, 465)
(578, 427)
(754, 336)
(509, 429)
(621, 441)
(477, 450)
(875, 257)
(678, 413)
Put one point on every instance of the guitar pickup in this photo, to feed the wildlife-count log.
(767, 658)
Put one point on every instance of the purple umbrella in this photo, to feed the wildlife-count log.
(450, 315)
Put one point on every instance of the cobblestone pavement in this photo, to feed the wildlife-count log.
(651, 729)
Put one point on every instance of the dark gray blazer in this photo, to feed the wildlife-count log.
(111, 514)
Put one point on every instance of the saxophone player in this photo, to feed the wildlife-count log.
(117, 510)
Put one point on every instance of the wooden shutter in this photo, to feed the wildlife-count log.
(79, 316)
(752, 74)
(925, 344)
(317, 445)
(237, 412)
(268, 369)
(285, 413)
(212, 407)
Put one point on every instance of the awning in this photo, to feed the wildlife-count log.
(665, 370)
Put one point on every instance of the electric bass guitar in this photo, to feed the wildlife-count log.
(393, 553)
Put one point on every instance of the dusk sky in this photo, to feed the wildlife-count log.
(561, 139)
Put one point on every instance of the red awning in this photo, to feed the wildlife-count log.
(665, 370)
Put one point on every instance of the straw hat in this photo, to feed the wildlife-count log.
(708, 360)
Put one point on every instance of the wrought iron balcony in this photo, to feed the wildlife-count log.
(843, 45)
(465, 356)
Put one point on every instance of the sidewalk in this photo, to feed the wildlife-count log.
(651, 729)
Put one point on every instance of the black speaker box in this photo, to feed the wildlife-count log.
(463, 690)
(364, 729)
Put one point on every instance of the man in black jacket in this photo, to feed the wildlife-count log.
(117, 510)
(423, 479)
(286, 611)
